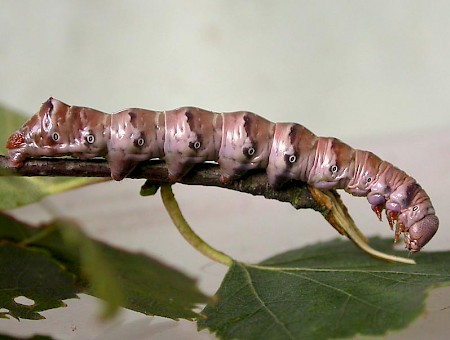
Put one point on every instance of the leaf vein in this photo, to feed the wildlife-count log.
(264, 305)
(305, 269)
(339, 290)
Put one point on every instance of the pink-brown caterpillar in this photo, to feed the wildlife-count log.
(239, 142)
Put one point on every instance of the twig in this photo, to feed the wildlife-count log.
(156, 173)
(298, 194)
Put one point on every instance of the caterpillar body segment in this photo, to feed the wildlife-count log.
(239, 142)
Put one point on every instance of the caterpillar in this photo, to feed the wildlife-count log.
(238, 142)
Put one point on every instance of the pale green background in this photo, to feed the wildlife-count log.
(340, 67)
(376, 74)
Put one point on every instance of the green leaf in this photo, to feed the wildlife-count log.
(149, 189)
(31, 273)
(329, 290)
(11, 121)
(19, 191)
(134, 281)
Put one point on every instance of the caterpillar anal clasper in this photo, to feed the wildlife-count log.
(238, 142)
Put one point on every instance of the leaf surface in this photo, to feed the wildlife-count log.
(33, 274)
(11, 121)
(329, 290)
(131, 280)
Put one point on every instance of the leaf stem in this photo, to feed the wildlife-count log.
(186, 231)
(338, 216)
(43, 233)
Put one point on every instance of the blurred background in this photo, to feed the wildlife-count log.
(375, 74)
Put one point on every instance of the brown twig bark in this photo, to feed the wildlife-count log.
(298, 194)
(156, 173)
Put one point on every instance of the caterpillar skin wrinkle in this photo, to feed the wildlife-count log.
(239, 142)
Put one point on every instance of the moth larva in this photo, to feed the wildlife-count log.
(239, 142)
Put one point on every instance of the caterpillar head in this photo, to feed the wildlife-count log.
(58, 129)
(421, 232)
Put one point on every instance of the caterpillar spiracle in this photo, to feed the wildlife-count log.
(238, 142)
